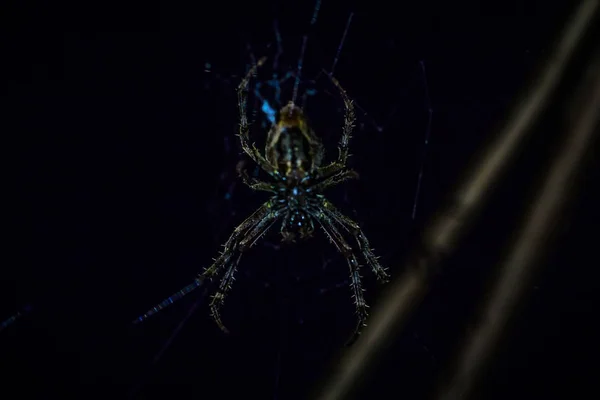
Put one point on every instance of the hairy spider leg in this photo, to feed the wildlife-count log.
(244, 136)
(333, 180)
(254, 183)
(260, 228)
(354, 229)
(230, 247)
(311, 92)
(344, 248)
(253, 152)
(344, 143)
(219, 297)
(371, 120)
(233, 242)
(316, 148)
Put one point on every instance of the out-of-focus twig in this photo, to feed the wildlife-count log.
(445, 231)
(519, 267)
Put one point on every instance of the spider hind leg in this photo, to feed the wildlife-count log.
(344, 248)
(260, 222)
(354, 229)
(219, 297)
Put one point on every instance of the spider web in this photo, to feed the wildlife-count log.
(128, 186)
(301, 290)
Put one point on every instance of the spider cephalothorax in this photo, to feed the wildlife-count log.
(292, 159)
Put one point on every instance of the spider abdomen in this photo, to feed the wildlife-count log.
(292, 147)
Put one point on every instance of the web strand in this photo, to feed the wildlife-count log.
(302, 51)
(11, 320)
(169, 300)
(426, 143)
(339, 49)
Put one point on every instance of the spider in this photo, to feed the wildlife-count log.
(292, 159)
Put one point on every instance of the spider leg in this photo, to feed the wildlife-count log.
(344, 144)
(255, 184)
(244, 136)
(234, 240)
(334, 180)
(230, 247)
(356, 286)
(219, 297)
(259, 229)
(352, 227)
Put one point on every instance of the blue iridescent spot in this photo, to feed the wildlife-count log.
(269, 111)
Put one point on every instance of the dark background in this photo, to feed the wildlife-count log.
(125, 187)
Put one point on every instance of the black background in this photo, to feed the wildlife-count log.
(125, 187)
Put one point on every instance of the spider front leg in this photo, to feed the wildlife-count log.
(262, 222)
(244, 134)
(356, 286)
(344, 144)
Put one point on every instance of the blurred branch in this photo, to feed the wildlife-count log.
(445, 231)
(519, 267)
